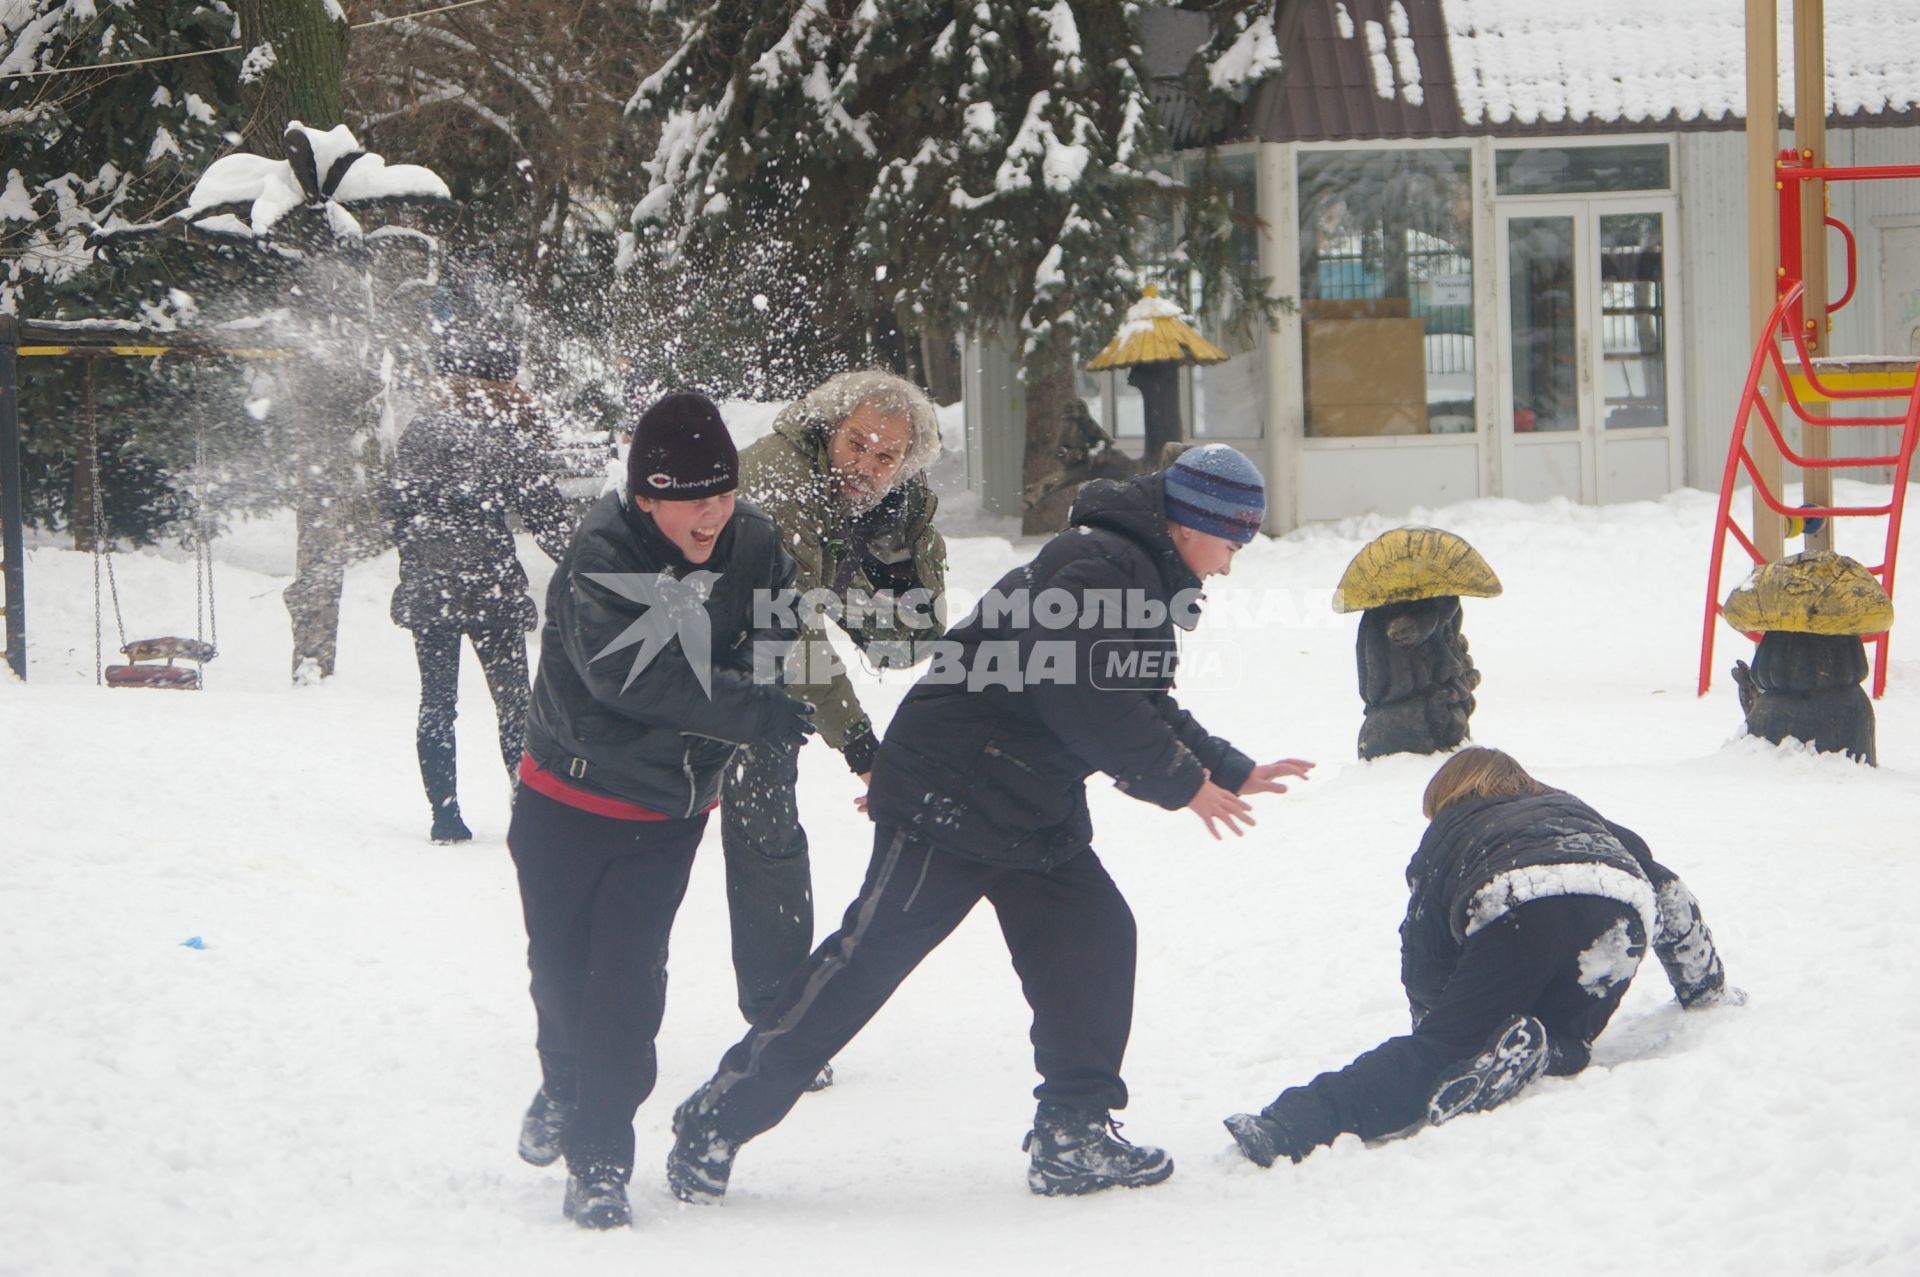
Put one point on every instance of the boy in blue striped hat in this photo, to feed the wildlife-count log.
(979, 793)
(1216, 490)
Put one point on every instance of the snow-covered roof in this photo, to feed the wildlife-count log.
(1550, 61)
(1447, 68)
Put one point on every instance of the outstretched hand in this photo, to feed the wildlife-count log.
(1266, 778)
(1213, 803)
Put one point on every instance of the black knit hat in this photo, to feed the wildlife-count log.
(681, 451)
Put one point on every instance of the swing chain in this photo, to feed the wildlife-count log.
(102, 547)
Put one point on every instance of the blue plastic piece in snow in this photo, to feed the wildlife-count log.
(193, 942)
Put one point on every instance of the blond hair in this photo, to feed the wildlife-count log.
(1477, 772)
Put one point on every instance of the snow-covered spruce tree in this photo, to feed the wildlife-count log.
(83, 142)
(993, 162)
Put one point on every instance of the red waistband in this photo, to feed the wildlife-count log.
(534, 776)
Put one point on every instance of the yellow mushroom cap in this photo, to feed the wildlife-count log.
(1818, 592)
(1413, 563)
(1155, 333)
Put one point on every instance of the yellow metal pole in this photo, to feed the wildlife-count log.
(1763, 233)
(1810, 141)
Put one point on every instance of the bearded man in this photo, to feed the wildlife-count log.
(842, 476)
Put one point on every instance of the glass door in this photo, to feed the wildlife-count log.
(1585, 328)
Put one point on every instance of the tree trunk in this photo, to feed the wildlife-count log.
(940, 361)
(1050, 403)
(309, 63)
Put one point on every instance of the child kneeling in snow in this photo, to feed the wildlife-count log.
(1529, 914)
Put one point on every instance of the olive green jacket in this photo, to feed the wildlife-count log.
(786, 475)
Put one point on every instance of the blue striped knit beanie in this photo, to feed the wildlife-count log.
(1216, 490)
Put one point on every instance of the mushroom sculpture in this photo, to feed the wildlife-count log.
(1810, 611)
(1416, 678)
(1152, 344)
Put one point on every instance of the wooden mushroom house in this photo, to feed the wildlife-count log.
(1152, 344)
(1416, 679)
(1810, 611)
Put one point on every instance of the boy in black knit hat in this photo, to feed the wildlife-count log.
(646, 688)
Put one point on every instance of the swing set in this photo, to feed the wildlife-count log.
(170, 661)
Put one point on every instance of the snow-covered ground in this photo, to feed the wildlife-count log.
(333, 1083)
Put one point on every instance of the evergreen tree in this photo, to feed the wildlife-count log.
(84, 142)
(990, 163)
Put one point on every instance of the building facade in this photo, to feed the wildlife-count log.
(1516, 248)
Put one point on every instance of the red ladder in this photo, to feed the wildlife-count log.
(1781, 324)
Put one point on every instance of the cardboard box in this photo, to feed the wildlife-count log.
(1356, 307)
(1366, 377)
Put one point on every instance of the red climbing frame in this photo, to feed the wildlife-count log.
(1788, 325)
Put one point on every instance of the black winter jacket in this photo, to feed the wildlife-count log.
(457, 473)
(1482, 857)
(616, 714)
(997, 773)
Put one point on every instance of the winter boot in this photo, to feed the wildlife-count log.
(597, 1197)
(1075, 1151)
(542, 1127)
(702, 1158)
(1515, 1056)
(447, 825)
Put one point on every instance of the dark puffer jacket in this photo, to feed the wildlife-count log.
(644, 731)
(460, 469)
(1482, 857)
(997, 773)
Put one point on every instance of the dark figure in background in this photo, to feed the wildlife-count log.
(1807, 686)
(1416, 678)
(979, 792)
(1529, 913)
(471, 457)
(647, 687)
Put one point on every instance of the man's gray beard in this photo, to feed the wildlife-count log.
(854, 506)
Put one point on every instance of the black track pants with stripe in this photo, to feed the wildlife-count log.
(1069, 933)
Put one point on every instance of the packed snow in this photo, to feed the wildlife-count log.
(256, 1023)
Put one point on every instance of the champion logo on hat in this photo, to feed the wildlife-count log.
(681, 451)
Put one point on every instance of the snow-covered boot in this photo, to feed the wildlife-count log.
(1077, 1151)
(597, 1197)
(1515, 1056)
(447, 825)
(702, 1158)
(542, 1128)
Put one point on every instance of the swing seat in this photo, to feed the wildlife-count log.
(180, 677)
(184, 678)
(169, 650)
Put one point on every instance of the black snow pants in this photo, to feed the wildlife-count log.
(1068, 930)
(503, 657)
(1545, 958)
(769, 879)
(599, 896)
